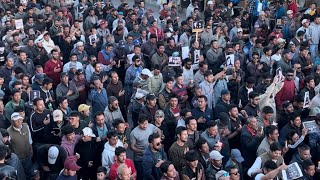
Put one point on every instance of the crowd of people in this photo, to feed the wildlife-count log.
(93, 91)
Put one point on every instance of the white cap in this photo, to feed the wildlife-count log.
(289, 12)
(239, 30)
(53, 154)
(215, 155)
(262, 13)
(88, 132)
(304, 21)
(210, 2)
(139, 95)
(16, 116)
(57, 115)
(146, 71)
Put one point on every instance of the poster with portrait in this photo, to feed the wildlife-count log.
(92, 39)
(279, 74)
(174, 61)
(306, 100)
(32, 95)
(230, 60)
(312, 126)
(196, 56)
(197, 26)
(293, 172)
(18, 23)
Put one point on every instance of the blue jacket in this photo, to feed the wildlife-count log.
(264, 5)
(99, 100)
(150, 171)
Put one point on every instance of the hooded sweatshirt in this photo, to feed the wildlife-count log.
(69, 145)
(108, 154)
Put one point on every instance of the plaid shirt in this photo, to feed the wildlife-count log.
(251, 6)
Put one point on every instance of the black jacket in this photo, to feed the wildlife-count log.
(8, 171)
(249, 146)
(89, 151)
(42, 158)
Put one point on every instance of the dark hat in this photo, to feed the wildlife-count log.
(79, 71)
(153, 36)
(285, 51)
(225, 91)
(63, 74)
(39, 76)
(67, 130)
(151, 96)
(2, 44)
(278, 27)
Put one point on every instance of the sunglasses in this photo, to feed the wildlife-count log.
(235, 173)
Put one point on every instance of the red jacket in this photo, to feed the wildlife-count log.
(287, 93)
(113, 169)
(293, 6)
(48, 70)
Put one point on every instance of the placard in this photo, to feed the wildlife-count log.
(312, 126)
(279, 74)
(197, 26)
(130, 56)
(93, 39)
(196, 56)
(32, 95)
(230, 60)
(18, 23)
(293, 172)
(185, 52)
(174, 61)
(306, 100)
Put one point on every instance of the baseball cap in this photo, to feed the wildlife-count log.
(278, 27)
(153, 36)
(236, 154)
(304, 21)
(289, 12)
(159, 113)
(39, 76)
(53, 154)
(151, 96)
(225, 91)
(210, 2)
(239, 30)
(73, 65)
(16, 116)
(79, 71)
(63, 74)
(120, 13)
(286, 104)
(138, 95)
(2, 44)
(71, 163)
(215, 155)
(146, 72)
(285, 51)
(101, 22)
(88, 132)
(221, 173)
(83, 107)
(57, 115)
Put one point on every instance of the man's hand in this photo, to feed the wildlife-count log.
(201, 120)
(159, 163)
(56, 69)
(46, 168)
(69, 93)
(46, 121)
(199, 174)
(305, 131)
(121, 93)
(239, 128)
